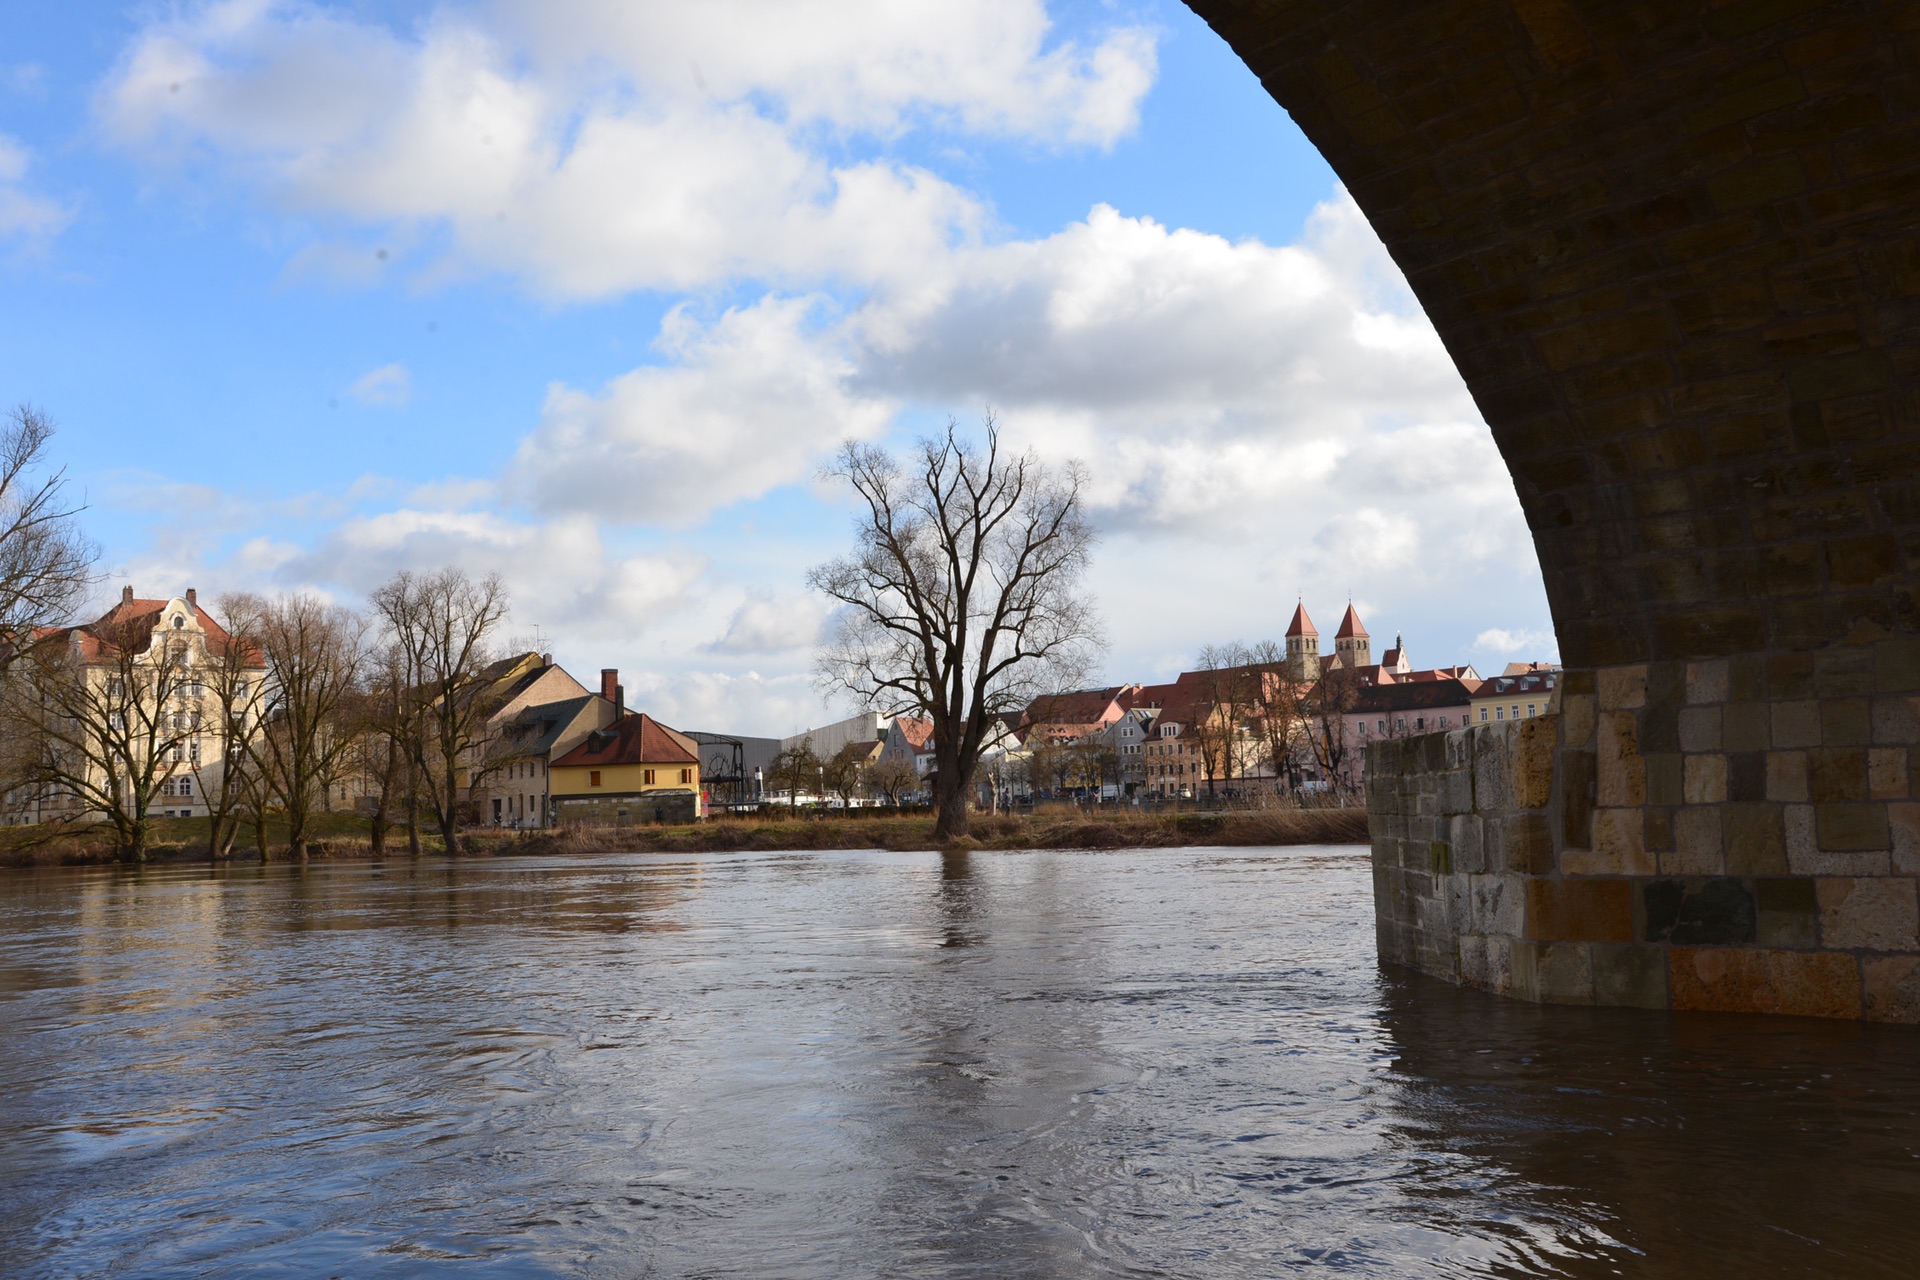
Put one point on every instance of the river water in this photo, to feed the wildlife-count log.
(1141, 1063)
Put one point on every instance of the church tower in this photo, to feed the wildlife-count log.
(1303, 647)
(1352, 647)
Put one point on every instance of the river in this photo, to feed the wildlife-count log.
(1136, 1063)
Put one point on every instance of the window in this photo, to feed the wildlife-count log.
(1443, 722)
(186, 786)
(1419, 723)
(1530, 710)
(593, 777)
(1382, 726)
(1499, 713)
(193, 751)
(1363, 728)
(1483, 715)
(686, 775)
(1400, 724)
(1515, 713)
(240, 691)
(178, 622)
(646, 777)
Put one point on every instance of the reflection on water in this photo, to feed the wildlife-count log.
(1163, 1062)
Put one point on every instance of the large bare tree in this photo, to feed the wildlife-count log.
(963, 599)
(444, 625)
(315, 654)
(234, 701)
(109, 715)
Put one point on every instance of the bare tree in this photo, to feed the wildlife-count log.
(45, 561)
(234, 703)
(108, 714)
(315, 653)
(442, 624)
(796, 769)
(385, 720)
(1222, 709)
(841, 773)
(1327, 704)
(1279, 711)
(890, 779)
(963, 600)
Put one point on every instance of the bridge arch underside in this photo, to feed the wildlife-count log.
(1674, 249)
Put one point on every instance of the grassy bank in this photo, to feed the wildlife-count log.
(343, 836)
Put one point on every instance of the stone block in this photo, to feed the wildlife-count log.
(1622, 771)
(1896, 721)
(1837, 773)
(1817, 984)
(1789, 913)
(1755, 840)
(1789, 676)
(1796, 724)
(1578, 783)
(1890, 988)
(1579, 910)
(1700, 729)
(1707, 682)
(1576, 719)
(1659, 832)
(1630, 976)
(1887, 773)
(1697, 844)
(1500, 964)
(1852, 827)
(1659, 729)
(1846, 722)
(1666, 778)
(1563, 973)
(1490, 791)
(1499, 905)
(1903, 826)
(1787, 776)
(1706, 779)
(1746, 726)
(1532, 763)
(1877, 913)
(1843, 672)
(1896, 666)
(1526, 845)
(1719, 911)
(1619, 847)
(1747, 776)
(1622, 688)
(1805, 857)
(1469, 849)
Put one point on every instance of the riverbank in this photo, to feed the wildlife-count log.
(343, 837)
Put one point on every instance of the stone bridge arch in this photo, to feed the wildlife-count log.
(1674, 248)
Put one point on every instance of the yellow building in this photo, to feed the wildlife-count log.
(634, 770)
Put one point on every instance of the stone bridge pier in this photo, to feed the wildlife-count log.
(1674, 248)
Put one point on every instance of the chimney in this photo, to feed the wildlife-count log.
(609, 682)
(193, 600)
(546, 659)
(619, 701)
(126, 595)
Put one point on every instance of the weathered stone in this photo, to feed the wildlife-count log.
(1576, 719)
(1700, 729)
(1697, 847)
(1633, 977)
(1706, 779)
(1820, 984)
(1755, 840)
(1707, 681)
(1869, 914)
(1891, 988)
(1887, 773)
(1622, 688)
(1787, 776)
(1580, 910)
(1532, 763)
(1851, 827)
(1622, 771)
(1903, 821)
(1619, 847)
(1789, 913)
(1796, 724)
(1719, 911)
(1578, 785)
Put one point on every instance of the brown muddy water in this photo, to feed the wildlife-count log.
(1137, 1063)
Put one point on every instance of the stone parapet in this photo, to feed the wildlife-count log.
(1734, 834)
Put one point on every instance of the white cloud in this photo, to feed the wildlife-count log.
(574, 145)
(771, 622)
(391, 385)
(1506, 643)
(748, 403)
(24, 213)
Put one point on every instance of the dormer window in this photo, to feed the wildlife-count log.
(178, 622)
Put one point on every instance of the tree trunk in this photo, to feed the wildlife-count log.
(260, 834)
(949, 807)
(413, 824)
(377, 831)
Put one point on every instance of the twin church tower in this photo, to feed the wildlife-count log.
(1352, 649)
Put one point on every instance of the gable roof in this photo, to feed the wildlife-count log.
(635, 738)
(1081, 706)
(141, 617)
(1424, 695)
(917, 732)
(537, 728)
(1531, 683)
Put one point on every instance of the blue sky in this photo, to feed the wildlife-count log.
(584, 293)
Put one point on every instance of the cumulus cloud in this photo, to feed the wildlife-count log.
(1505, 643)
(591, 150)
(24, 213)
(391, 385)
(743, 405)
(773, 622)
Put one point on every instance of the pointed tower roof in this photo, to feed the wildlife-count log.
(1350, 626)
(1302, 625)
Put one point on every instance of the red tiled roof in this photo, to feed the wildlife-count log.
(917, 732)
(138, 617)
(1302, 625)
(1350, 626)
(635, 738)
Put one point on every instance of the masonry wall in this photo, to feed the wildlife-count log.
(1730, 834)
